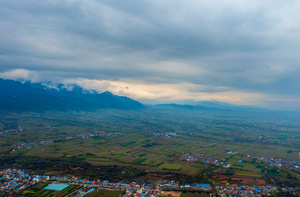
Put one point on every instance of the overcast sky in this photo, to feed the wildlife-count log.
(243, 52)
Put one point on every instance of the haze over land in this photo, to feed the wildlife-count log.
(138, 98)
(242, 52)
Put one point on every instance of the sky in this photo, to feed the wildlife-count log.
(242, 52)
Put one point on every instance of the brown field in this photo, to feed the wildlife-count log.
(240, 179)
(194, 195)
(174, 194)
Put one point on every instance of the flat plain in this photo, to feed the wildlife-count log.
(128, 144)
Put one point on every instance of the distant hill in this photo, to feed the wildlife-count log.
(18, 97)
(205, 106)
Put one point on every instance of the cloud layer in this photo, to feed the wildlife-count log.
(236, 51)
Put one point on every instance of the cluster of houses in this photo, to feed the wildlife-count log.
(139, 192)
(153, 190)
(20, 129)
(295, 165)
(9, 130)
(166, 134)
(104, 133)
(195, 157)
(97, 133)
(87, 192)
(15, 180)
(30, 144)
(34, 144)
(187, 187)
(244, 190)
(231, 152)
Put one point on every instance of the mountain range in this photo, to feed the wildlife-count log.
(19, 97)
(26, 96)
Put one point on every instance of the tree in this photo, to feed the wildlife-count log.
(229, 172)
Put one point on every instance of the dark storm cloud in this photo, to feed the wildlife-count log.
(247, 46)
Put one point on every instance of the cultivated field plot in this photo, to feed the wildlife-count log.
(105, 193)
(194, 195)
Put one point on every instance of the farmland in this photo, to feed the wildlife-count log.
(105, 193)
(38, 190)
(138, 151)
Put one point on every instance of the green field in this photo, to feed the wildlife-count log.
(212, 134)
(174, 167)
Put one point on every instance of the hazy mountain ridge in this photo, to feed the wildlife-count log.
(206, 105)
(46, 96)
(62, 88)
(19, 97)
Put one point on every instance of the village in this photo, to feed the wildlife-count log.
(31, 144)
(20, 129)
(280, 163)
(168, 134)
(195, 157)
(96, 133)
(254, 190)
(14, 181)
